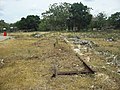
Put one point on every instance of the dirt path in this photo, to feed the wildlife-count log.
(4, 38)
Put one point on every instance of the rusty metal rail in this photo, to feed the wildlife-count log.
(71, 73)
(87, 69)
(85, 65)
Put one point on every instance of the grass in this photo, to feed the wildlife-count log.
(29, 63)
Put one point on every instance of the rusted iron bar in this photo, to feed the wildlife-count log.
(71, 73)
(87, 70)
(85, 65)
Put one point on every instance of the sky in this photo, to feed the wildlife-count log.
(13, 10)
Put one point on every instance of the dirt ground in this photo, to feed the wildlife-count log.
(27, 63)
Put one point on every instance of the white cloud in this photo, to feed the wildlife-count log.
(1, 8)
(89, 0)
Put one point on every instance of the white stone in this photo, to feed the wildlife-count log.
(2, 61)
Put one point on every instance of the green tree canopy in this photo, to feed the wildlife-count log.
(3, 24)
(80, 16)
(29, 23)
(99, 22)
(114, 20)
(55, 18)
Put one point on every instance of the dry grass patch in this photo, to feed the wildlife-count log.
(29, 65)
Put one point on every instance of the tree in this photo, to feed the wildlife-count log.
(114, 20)
(101, 17)
(22, 24)
(99, 22)
(33, 22)
(80, 16)
(30, 23)
(3, 24)
(56, 17)
(44, 25)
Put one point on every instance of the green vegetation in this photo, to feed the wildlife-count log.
(65, 17)
(99, 22)
(3, 24)
(114, 20)
(30, 23)
(56, 17)
(80, 16)
(27, 59)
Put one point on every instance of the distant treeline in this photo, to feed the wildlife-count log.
(65, 16)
